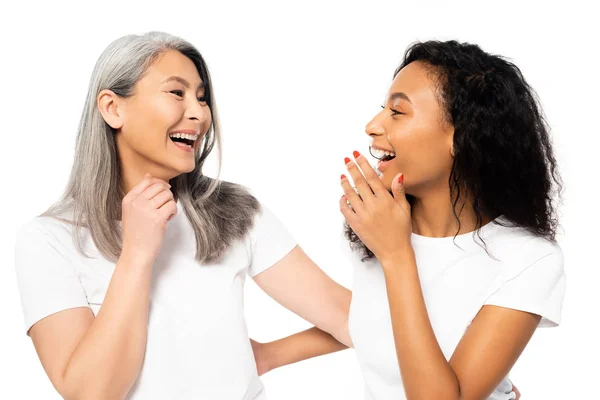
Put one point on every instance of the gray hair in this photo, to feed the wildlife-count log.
(220, 212)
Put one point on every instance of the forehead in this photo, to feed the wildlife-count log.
(173, 63)
(415, 80)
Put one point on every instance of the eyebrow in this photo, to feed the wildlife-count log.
(399, 95)
(183, 82)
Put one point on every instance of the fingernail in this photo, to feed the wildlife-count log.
(401, 178)
(343, 176)
(356, 154)
(347, 160)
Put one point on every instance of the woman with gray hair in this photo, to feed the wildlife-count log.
(132, 283)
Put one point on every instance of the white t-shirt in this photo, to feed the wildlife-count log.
(456, 282)
(198, 345)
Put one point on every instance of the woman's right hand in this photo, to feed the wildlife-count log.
(146, 209)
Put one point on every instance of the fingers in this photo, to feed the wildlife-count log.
(168, 210)
(398, 189)
(144, 184)
(346, 209)
(365, 179)
(359, 181)
(155, 189)
(161, 199)
(141, 186)
(351, 195)
(370, 175)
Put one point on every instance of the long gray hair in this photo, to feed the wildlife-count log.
(220, 212)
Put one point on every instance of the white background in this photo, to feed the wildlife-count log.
(295, 84)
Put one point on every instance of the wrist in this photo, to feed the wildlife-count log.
(268, 357)
(135, 259)
(400, 256)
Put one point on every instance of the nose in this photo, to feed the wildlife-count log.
(374, 128)
(200, 112)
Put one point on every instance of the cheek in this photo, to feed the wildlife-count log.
(421, 151)
(153, 119)
(164, 112)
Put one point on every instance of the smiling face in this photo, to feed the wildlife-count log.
(412, 126)
(160, 127)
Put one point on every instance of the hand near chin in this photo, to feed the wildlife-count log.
(381, 220)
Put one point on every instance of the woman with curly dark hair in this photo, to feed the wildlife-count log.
(455, 258)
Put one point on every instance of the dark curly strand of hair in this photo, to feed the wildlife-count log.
(503, 154)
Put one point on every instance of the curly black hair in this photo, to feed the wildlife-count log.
(503, 153)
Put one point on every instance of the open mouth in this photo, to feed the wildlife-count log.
(382, 155)
(184, 139)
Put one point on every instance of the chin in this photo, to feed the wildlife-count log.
(182, 168)
(188, 169)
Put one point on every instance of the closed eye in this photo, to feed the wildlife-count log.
(394, 112)
(179, 93)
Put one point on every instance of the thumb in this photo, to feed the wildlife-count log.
(398, 188)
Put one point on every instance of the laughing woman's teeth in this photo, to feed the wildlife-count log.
(380, 153)
(184, 136)
(183, 139)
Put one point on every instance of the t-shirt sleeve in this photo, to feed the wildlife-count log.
(539, 289)
(270, 242)
(46, 279)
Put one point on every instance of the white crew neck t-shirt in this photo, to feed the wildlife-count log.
(197, 343)
(456, 282)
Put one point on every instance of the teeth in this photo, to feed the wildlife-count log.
(380, 153)
(184, 136)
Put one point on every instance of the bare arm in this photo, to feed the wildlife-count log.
(301, 346)
(100, 358)
(298, 284)
(483, 357)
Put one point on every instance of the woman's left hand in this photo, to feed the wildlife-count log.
(382, 221)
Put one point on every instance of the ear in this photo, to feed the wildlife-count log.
(110, 106)
(451, 142)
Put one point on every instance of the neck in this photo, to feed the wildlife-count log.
(433, 215)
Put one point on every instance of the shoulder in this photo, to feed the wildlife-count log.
(45, 226)
(531, 277)
(46, 231)
(530, 266)
(517, 245)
